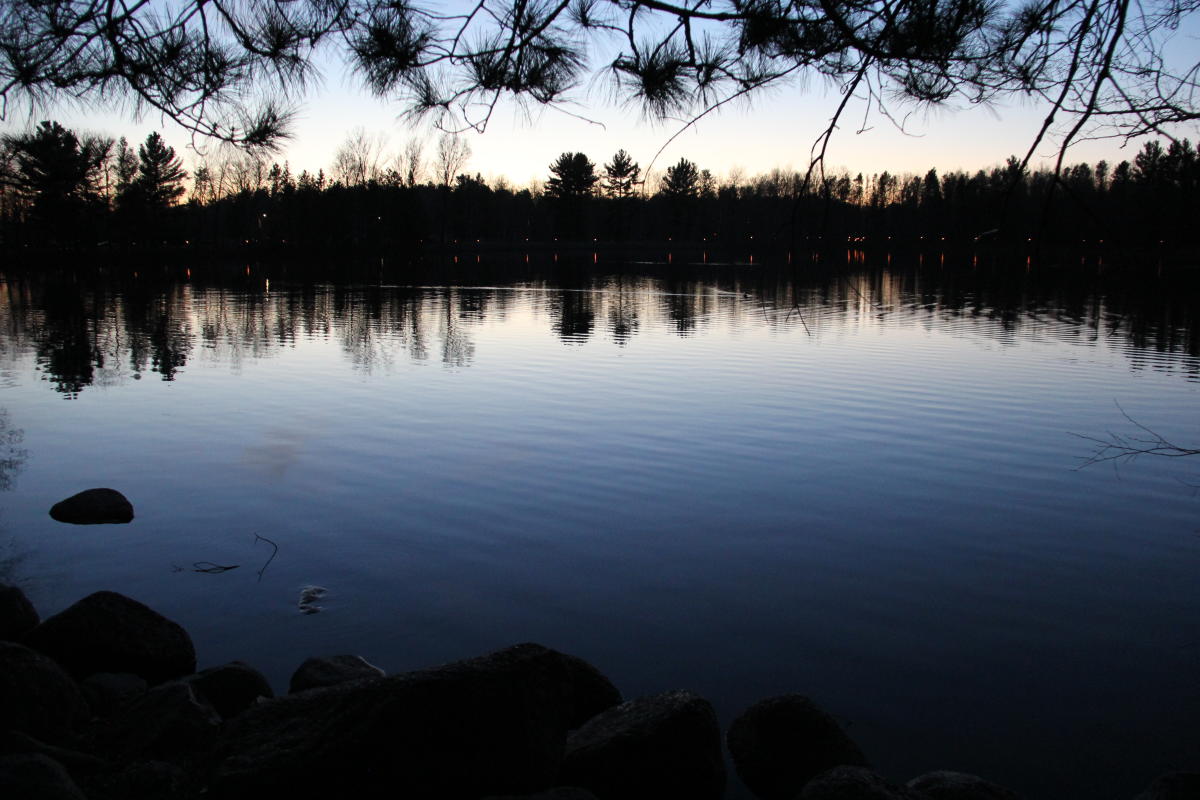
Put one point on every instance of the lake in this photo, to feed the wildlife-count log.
(859, 481)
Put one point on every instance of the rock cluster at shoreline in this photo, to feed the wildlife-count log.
(103, 702)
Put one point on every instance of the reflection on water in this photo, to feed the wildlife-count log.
(106, 334)
(859, 484)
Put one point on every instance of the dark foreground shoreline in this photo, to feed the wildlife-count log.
(103, 701)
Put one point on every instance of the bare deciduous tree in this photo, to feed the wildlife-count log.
(452, 154)
(410, 162)
(359, 159)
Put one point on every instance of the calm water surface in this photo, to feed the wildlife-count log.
(860, 485)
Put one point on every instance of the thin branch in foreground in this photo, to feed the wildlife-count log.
(1123, 448)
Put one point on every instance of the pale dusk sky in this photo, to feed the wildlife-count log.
(774, 129)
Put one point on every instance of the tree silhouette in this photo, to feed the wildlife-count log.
(216, 66)
(620, 176)
(58, 176)
(452, 154)
(682, 180)
(572, 176)
(160, 174)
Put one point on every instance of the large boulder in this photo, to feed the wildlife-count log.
(109, 692)
(167, 721)
(108, 632)
(77, 762)
(945, 785)
(317, 673)
(37, 696)
(1173, 786)
(490, 725)
(855, 783)
(36, 777)
(93, 507)
(17, 615)
(781, 743)
(230, 688)
(660, 747)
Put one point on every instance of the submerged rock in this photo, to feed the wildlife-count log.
(660, 747)
(37, 696)
(17, 615)
(490, 725)
(93, 507)
(109, 632)
(781, 743)
(316, 673)
(945, 785)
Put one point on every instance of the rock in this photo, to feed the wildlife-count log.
(309, 595)
(93, 507)
(144, 780)
(37, 696)
(490, 725)
(36, 777)
(944, 785)
(108, 632)
(592, 692)
(17, 615)
(108, 692)
(557, 793)
(166, 721)
(664, 746)
(316, 673)
(230, 688)
(854, 783)
(76, 762)
(781, 743)
(1173, 786)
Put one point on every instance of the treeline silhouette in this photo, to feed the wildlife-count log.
(61, 190)
(92, 329)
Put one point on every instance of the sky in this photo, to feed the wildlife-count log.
(775, 129)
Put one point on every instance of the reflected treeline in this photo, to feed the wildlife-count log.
(82, 333)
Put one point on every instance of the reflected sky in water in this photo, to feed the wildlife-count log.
(855, 484)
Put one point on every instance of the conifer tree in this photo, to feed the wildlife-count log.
(621, 175)
(573, 176)
(160, 176)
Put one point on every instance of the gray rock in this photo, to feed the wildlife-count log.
(37, 696)
(781, 743)
(108, 692)
(230, 688)
(17, 615)
(316, 673)
(944, 785)
(664, 746)
(93, 507)
(490, 725)
(108, 632)
(166, 721)
(855, 783)
(36, 777)
(1173, 786)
